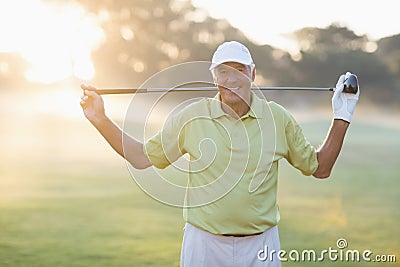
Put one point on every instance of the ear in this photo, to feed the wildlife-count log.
(253, 74)
(214, 78)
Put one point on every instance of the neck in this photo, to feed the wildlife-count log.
(238, 109)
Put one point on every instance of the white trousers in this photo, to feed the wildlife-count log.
(203, 249)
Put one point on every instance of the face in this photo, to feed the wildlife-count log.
(234, 82)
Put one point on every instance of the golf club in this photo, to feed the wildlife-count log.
(350, 86)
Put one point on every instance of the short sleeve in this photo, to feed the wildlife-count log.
(165, 147)
(300, 153)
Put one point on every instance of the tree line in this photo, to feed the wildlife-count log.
(146, 36)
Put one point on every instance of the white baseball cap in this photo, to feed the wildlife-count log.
(231, 52)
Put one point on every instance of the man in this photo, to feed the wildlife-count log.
(229, 226)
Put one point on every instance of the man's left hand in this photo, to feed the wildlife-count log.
(343, 104)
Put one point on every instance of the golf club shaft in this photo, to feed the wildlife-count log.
(111, 91)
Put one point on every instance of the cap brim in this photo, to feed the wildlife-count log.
(241, 61)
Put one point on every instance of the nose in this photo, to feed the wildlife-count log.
(231, 79)
(232, 76)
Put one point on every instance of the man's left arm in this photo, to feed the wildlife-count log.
(343, 105)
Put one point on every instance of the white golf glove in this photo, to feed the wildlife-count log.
(343, 104)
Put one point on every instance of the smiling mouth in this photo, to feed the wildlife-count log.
(230, 88)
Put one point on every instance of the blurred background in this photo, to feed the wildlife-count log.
(66, 199)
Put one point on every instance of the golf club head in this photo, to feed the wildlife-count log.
(351, 84)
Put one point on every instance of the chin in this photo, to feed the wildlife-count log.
(231, 96)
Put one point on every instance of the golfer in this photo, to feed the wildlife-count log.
(248, 136)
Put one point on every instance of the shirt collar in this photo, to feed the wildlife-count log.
(256, 107)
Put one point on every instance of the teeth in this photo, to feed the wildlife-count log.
(231, 88)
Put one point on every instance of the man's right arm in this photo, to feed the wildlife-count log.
(125, 145)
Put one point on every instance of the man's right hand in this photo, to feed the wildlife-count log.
(92, 104)
(93, 108)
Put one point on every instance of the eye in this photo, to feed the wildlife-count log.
(222, 71)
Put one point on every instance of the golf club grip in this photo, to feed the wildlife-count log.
(119, 91)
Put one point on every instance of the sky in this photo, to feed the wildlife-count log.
(57, 39)
(269, 22)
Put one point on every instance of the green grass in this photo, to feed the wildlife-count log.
(90, 218)
(359, 202)
(70, 201)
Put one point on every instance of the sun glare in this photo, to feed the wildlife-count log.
(55, 39)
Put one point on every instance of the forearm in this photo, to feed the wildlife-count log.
(330, 148)
(125, 145)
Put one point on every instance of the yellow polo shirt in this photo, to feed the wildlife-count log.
(233, 167)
